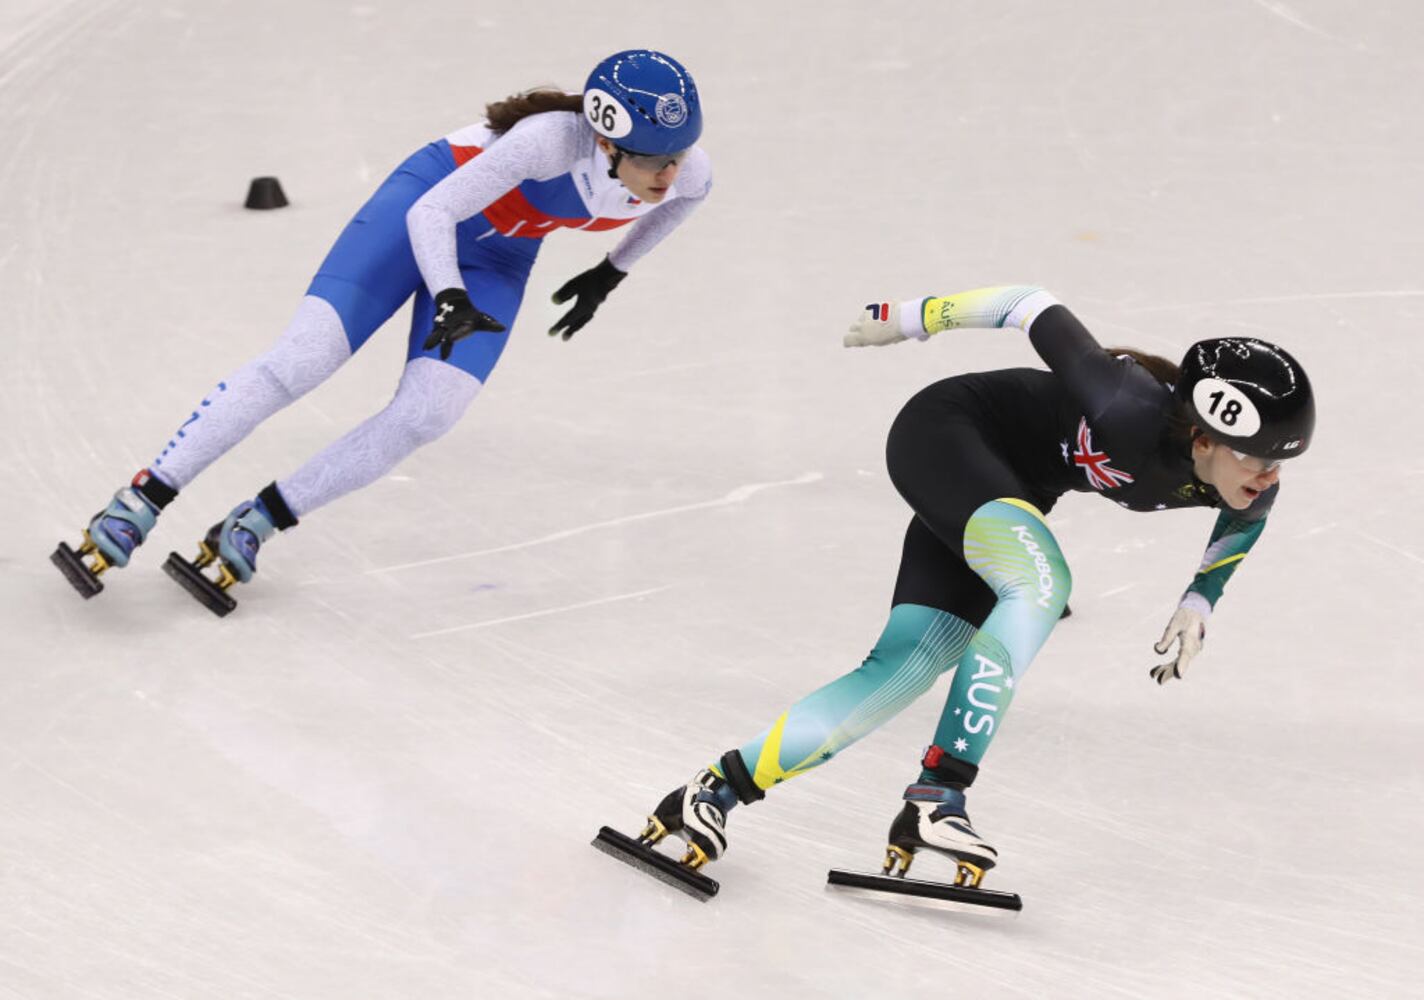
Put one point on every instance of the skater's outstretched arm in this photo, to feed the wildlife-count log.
(1095, 378)
(1231, 538)
(889, 322)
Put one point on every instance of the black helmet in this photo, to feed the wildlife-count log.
(1251, 396)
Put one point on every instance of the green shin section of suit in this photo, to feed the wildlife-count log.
(1231, 539)
(1008, 544)
(918, 645)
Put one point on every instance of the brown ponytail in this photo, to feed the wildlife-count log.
(504, 115)
(1179, 427)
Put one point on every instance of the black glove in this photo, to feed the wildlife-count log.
(457, 317)
(591, 287)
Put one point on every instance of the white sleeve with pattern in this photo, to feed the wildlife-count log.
(540, 147)
(695, 179)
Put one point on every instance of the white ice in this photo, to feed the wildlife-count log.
(379, 777)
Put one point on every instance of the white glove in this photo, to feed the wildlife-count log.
(1187, 627)
(887, 322)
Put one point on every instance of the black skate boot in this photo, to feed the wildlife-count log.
(696, 813)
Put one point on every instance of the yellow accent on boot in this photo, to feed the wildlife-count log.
(89, 548)
(653, 832)
(225, 578)
(969, 875)
(894, 855)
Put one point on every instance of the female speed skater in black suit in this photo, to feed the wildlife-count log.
(981, 458)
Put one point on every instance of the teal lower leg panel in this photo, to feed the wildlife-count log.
(918, 645)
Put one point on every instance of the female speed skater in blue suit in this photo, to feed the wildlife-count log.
(457, 226)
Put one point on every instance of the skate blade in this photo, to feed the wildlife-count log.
(76, 571)
(899, 885)
(191, 579)
(660, 866)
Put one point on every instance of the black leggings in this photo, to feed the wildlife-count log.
(942, 457)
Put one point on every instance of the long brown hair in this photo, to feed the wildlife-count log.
(1179, 427)
(504, 115)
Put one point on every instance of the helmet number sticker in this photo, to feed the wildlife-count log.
(1225, 408)
(608, 117)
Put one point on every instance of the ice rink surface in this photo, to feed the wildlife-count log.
(379, 777)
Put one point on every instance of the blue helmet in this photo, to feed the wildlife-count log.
(643, 102)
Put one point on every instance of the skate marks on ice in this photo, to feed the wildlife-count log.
(540, 614)
(736, 496)
(1290, 16)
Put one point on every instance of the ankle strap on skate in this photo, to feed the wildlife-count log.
(740, 778)
(943, 768)
(158, 493)
(943, 794)
(276, 504)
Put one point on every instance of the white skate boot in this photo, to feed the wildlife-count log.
(934, 818)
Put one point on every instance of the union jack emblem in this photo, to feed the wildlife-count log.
(1101, 476)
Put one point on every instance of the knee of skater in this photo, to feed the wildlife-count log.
(431, 399)
(422, 424)
(1009, 544)
(313, 346)
(422, 428)
(1047, 589)
(293, 376)
(891, 650)
(917, 645)
(280, 386)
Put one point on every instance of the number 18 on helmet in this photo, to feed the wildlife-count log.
(1249, 395)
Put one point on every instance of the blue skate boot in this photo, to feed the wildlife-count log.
(114, 533)
(238, 537)
(232, 545)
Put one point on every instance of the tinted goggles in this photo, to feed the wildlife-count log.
(653, 162)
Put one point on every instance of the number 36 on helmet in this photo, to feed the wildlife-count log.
(644, 102)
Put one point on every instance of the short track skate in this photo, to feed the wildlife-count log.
(966, 887)
(210, 592)
(640, 854)
(82, 575)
